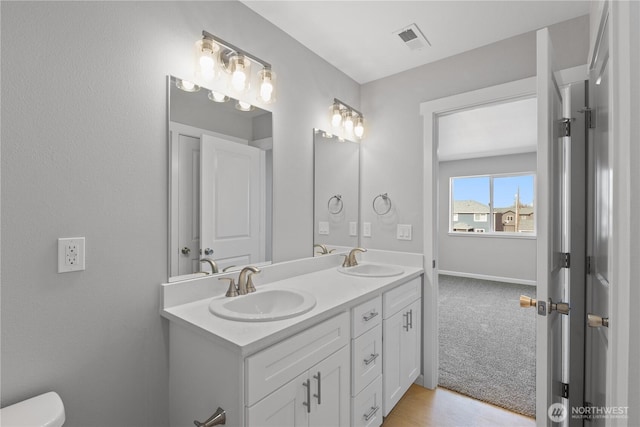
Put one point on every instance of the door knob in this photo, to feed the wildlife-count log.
(595, 321)
(208, 251)
(560, 307)
(185, 250)
(527, 302)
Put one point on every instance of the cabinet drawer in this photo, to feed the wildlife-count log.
(400, 297)
(366, 316)
(275, 366)
(366, 360)
(366, 407)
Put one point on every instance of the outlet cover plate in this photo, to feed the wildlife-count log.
(71, 254)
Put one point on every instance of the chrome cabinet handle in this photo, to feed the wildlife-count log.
(371, 359)
(411, 318)
(371, 413)
(307, 384)
(319, 395)
(370, 316)
(406, 325)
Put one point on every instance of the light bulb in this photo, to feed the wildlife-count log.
(243, 106)
(240, 68)
(238, 80)
(266, 93)
(336, 116)
(206, 54)
(218, 97)
(187, 86)
(348, 122)
(358, 130)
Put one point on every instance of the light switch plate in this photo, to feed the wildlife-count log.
(71, 254)
(353, 228)
(366, 229)
(323, 228)
(404, 232)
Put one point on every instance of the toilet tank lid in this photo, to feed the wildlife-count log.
(45, 410)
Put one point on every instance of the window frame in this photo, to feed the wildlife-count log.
(491, 214)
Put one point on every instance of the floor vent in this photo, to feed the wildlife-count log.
(412, 37)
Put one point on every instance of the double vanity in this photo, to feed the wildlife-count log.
(317, 344)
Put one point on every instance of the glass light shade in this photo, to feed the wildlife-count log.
(267, 90)
(336, 115)
(218, 97)
(348, 122)
(187, 86)
(206, 57)
(243, 106)
(358, 129)
(240, 70)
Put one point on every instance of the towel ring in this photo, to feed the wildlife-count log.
(338, 202)
(385, 198)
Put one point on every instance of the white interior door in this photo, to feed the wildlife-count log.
(552, 228)
(599, 229)
(230, 202)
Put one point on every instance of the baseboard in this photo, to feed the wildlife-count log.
(485, 277)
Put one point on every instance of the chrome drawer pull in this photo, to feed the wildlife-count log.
(406, 317)
(371, 359)
(370, 316)
(411, 318)
(371, 413)
(307, 384)
(319, 395)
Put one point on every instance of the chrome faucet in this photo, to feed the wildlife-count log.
(212, 263)
(350, 260)
(245, 283)
(323, 249)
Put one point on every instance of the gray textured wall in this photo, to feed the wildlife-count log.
(392, 158)
(84, 153)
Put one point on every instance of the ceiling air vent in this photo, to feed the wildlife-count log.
(412, 37)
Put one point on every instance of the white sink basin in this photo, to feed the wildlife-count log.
(372, 270)
(263, 305)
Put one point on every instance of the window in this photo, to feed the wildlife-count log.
(479, 217)
(493, 204)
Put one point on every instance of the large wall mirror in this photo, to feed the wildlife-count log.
(220, 190)
(336, 193)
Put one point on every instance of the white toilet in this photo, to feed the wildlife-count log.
(45, 410)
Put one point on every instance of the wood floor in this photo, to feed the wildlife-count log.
(421, 407)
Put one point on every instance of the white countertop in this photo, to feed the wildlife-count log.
(334, 292)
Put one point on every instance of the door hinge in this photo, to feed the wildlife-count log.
(589, 265)
(587, 415)
(564, 390)
(433, 263)
(589, 117)
(565, 127)
(565, 260)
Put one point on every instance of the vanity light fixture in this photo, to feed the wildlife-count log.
(214, 55)
(352, 120)
(187, 86)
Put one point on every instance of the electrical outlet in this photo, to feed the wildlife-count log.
(70, 254)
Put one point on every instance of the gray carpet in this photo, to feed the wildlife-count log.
(487, 342)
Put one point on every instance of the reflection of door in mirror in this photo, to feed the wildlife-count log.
(220, 196)
(336, 192)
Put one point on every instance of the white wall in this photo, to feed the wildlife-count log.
(84, 153)
(392, 159)
(508, 258)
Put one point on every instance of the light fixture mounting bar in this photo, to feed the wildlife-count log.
(229, 46)
(337, 101)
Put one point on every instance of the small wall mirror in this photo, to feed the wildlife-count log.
(220, 190)
(336, 193)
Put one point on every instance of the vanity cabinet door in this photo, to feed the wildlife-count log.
(330, 397)
(283, 407)
(401, 354)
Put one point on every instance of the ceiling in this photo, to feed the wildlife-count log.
(357, 37)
